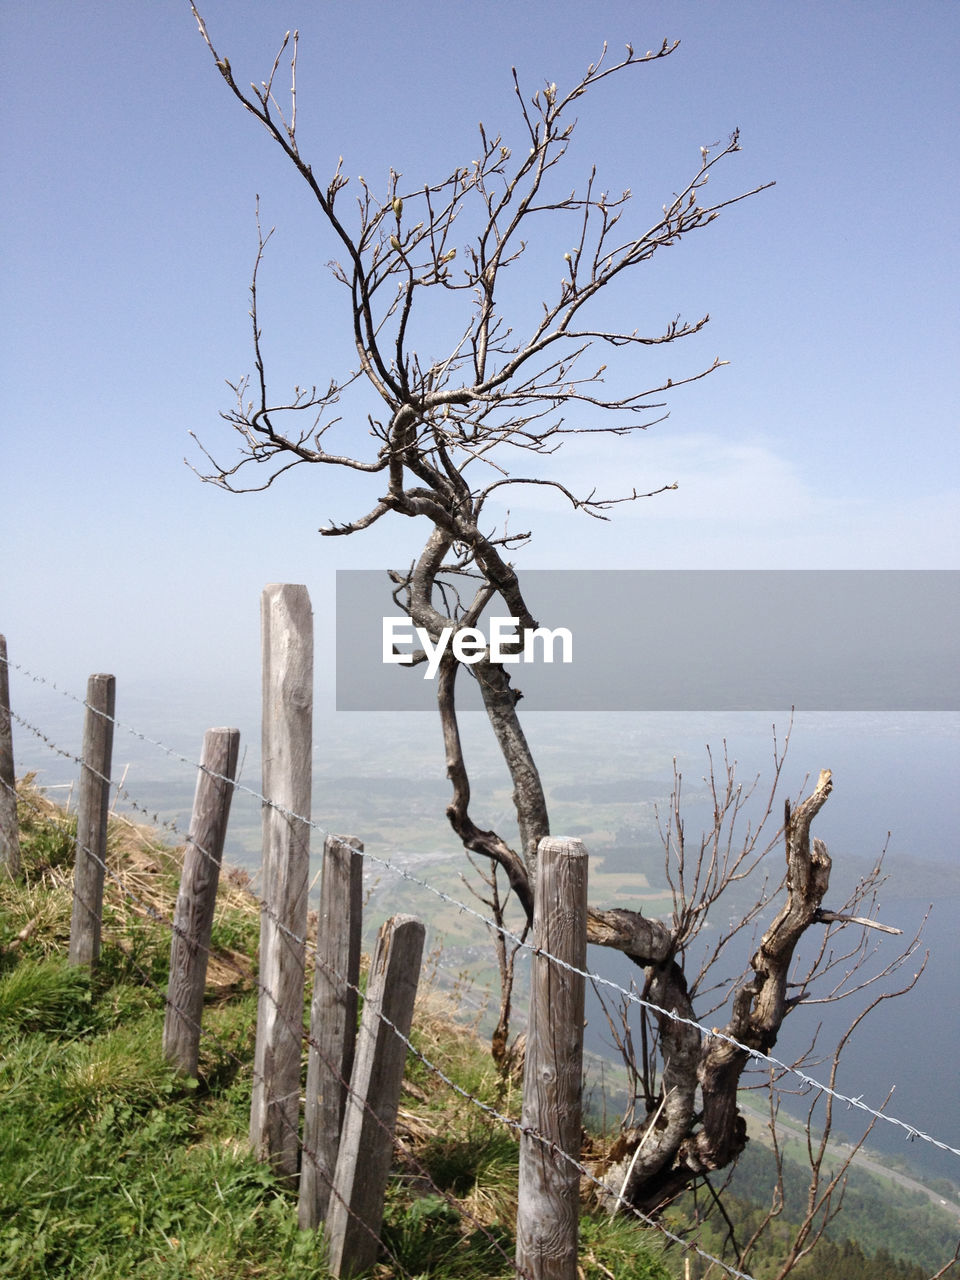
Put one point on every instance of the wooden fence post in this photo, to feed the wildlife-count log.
(355, 1210)
(333, 1022)
(9, 830)
(196, 899)
(548, 1209)
(287, 632)
(92, 805)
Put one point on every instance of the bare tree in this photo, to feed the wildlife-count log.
(449, 432)
(838, 968)
(684, 1122)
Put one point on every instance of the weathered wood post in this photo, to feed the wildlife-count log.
(287, 634)
(92, 805)
(548, 1209)
(333, 1022)
(197, 897)
(9, 830)
(355, 1210)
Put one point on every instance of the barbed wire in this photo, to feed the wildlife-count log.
(755, 1056)
(311, 1154)
(490, 1111)
(435, 1070)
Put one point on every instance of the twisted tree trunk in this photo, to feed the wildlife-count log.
(653, 1162)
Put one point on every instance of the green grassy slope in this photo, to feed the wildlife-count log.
(111, 1166)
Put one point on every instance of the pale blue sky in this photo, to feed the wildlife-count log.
(130, 176)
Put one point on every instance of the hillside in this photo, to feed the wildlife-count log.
(112, 1166)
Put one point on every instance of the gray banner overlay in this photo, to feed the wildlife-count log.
(675, 640)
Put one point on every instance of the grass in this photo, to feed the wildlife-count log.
(112, 1166)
